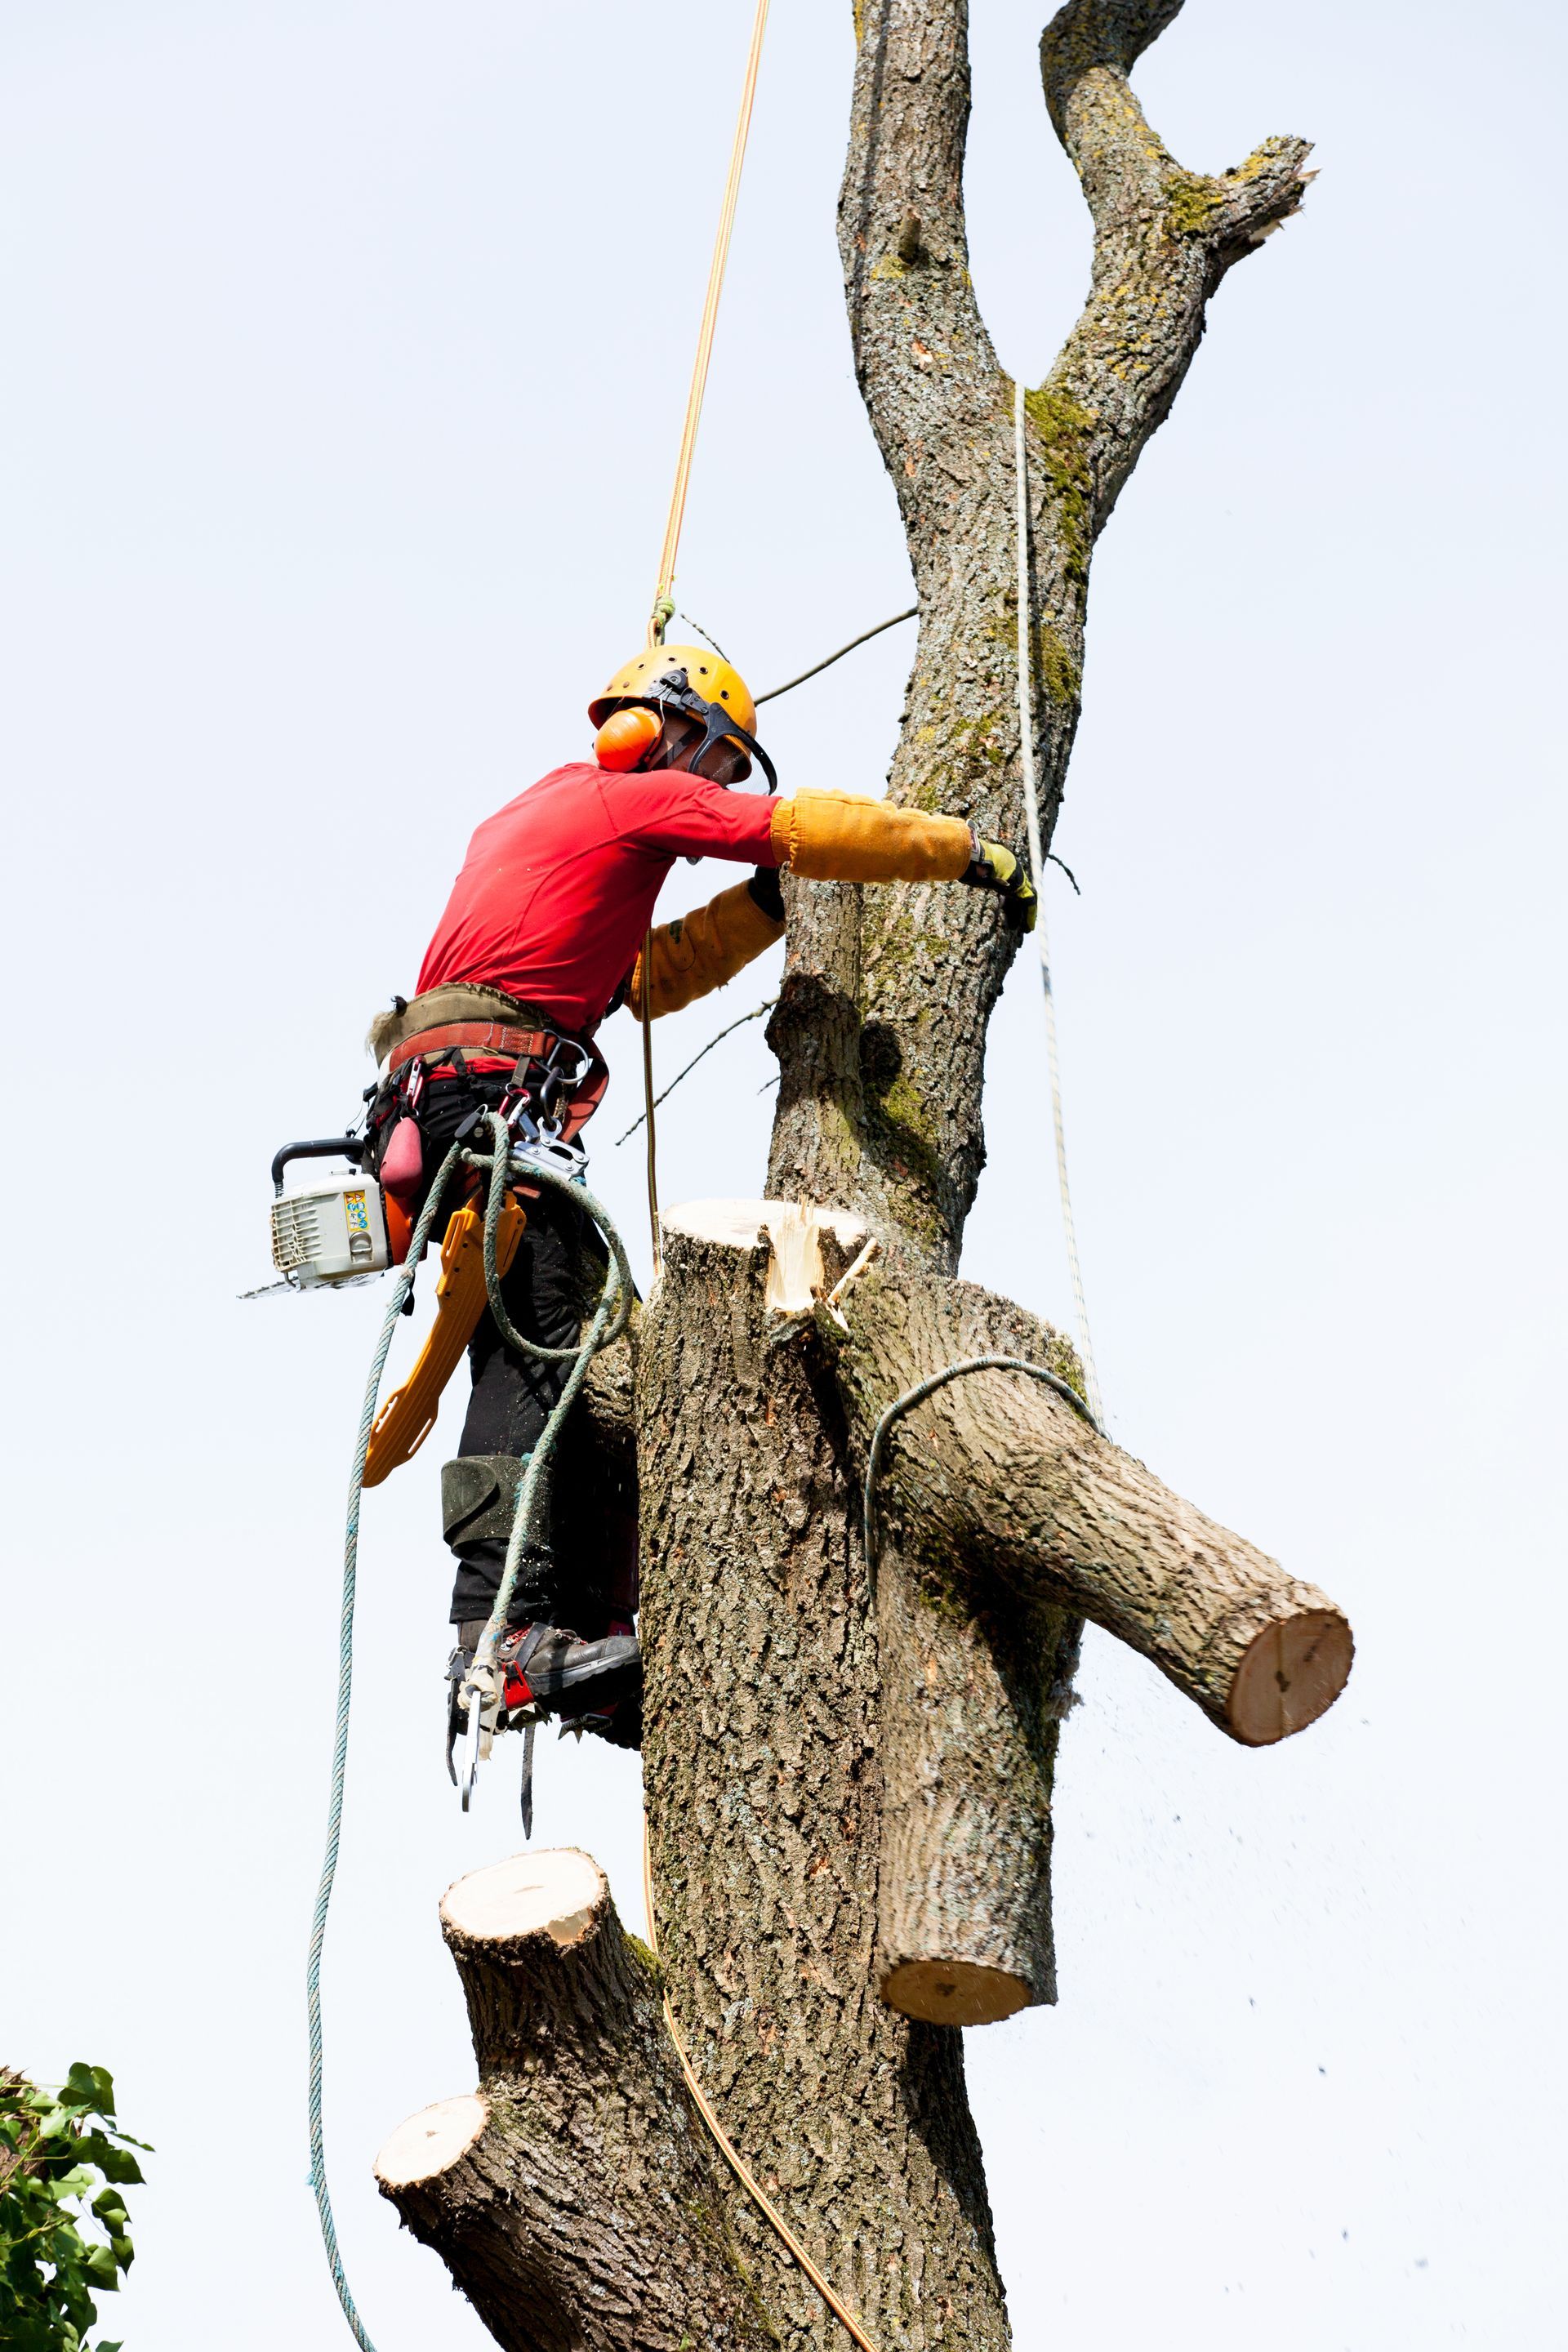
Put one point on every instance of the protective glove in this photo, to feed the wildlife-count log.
(767, 893)
(993, 867)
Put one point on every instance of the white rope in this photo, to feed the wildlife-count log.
(1038, 870)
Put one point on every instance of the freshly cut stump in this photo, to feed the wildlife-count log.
(554, 1892)
(765, 1750)
(798, 1274)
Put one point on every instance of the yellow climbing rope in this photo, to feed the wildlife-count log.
(727, 2147)
(663, 598)
(663, 595)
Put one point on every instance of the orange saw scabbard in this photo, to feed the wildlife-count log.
(409, 1416)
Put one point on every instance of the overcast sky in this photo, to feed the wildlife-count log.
(346, 352)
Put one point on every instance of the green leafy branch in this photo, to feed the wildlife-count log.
(56, 2146)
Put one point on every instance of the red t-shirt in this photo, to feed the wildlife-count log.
(558, 887)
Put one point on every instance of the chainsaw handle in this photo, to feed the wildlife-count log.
(324, 1146)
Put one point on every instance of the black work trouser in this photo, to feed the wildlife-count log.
(513, 1395)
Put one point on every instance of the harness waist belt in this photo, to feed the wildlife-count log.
(478, 1037)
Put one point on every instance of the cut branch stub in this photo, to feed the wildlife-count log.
(572, 2197)
(996, 1472)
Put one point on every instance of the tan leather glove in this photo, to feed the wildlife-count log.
(846, 837)
(700, 952)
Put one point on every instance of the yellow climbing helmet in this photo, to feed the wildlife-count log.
(693, 679)
(708, 675)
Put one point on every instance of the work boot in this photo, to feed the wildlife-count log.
(548, 1669)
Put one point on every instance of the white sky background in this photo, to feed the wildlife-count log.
(345, 350)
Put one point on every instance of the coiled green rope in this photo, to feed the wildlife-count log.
(611, 1318)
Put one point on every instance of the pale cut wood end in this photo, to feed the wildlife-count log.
(795, 1230)
(431, 2142)
(553, 1893)
(953, 1992)
(1289, 1673)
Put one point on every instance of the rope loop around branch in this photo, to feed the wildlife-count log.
(918, 1395)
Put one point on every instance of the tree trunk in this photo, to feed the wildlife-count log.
(763, 1777)
(848, 1763)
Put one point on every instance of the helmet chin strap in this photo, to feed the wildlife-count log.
(718, 725)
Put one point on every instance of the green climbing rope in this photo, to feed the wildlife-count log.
(421, 1235)
(611, 1318)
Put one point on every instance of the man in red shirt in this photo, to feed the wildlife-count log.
(543, 936)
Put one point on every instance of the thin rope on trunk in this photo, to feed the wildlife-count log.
(828, 660)
(665, 1092)
(1037, 867)
(727, 2147)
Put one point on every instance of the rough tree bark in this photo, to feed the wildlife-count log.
(847, 1762)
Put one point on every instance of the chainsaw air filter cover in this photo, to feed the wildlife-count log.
(332, 1234)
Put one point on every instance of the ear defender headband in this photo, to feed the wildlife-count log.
(629, 734)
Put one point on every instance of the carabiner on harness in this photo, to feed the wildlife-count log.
(534, 1107)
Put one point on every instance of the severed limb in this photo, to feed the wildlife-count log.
(973, 1690)
(1001, 1515)
(998, 1471)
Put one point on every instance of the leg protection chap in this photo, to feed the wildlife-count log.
(478, 1494)
(479, 1497)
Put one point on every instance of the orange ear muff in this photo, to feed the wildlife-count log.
(627, 737)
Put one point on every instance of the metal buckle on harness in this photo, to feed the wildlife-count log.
(536, 1094)
(474, 1715)
(548, 1149)
(474, 1744)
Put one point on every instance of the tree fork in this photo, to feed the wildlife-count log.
(574, 2196)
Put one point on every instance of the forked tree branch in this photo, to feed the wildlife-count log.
(574, 2197)
(881, 1020)
(1164, 237)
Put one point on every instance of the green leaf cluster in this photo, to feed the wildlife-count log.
(63, 2230)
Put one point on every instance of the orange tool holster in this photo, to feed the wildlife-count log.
(409, 1416)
